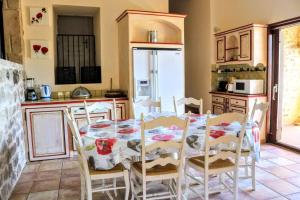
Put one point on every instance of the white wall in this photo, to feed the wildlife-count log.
(43, 70)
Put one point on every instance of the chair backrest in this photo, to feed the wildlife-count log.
(262, 108)
(73, 126)
(231, 140)
(98, 107)
(84, 168)
(148, 104)
(163, 145)
(187, 101)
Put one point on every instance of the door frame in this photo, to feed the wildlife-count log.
(273, 73)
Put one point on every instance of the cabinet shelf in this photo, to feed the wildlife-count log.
(162, 43)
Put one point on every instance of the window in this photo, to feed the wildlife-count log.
(76, 50)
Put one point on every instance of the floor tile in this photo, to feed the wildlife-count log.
(282, 161)
(264, 164)
(50, 166)
(31, 168)
(70, 173)
(295, 196)
(70, 183)
(69, 195)
(263, 176)
(281, 172)
(267, 155)
(47, 185)
(23, 188)
(26, 177)
(18, 197)
(295, 168)
(294, 180)
(262, 193)
(70, 164)
(48, 175)
(282, 187)
(279, 198)
(48, 195)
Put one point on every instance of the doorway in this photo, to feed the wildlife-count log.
(285, 81)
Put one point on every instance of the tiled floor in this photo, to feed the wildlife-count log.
(278, 178)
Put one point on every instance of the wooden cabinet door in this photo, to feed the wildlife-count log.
(220, 49)
(245, 45)
(238, 110)
(218, 109)
(47, 133)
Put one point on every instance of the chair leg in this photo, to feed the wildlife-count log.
(127, 184)
(206, 192)
(115, 185)
(235, 184)
(253, 174)
(132, 186)
(144, 190)
(179, 190)
(82, 187)
(187, 182)
(246, 168)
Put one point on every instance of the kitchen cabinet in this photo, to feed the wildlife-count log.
(133, 31)
(223, 102)
(47, 133)
(243, 45)
(220, 49)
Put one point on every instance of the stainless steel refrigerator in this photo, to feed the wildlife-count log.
(159, 73)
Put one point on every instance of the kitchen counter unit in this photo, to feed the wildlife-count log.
(238, 94)
(47, 131)
(69, 101)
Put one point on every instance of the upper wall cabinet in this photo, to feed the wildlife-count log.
(243, 45)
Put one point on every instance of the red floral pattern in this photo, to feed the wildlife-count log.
(104, 146)
(127, 131)
(163, 137)
(217, 133)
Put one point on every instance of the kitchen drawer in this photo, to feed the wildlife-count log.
(218, 109)
(238, 110)
(238, 102)
(218, 99)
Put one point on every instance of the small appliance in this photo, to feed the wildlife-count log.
(245, 86)
(30, 94)
(81, 93)
(222, 86)
(45, 91)
(229, 87)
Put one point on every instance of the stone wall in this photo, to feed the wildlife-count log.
(12, 148)
(13, 30)
(290, 74)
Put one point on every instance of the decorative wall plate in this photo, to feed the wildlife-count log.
(39, 16)
(39, 48)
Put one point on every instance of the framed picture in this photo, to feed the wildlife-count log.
(39, 48)
(39, 16)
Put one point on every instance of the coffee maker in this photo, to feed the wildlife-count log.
(30, 93)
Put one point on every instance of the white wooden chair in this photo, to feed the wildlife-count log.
(89, 175)
(259, 109)
(222, 162)
(98, 107)
(187, 101)
(145, 107)
(163, 168)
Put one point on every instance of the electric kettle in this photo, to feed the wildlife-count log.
(45, 91)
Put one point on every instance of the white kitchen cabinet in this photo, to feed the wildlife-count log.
(47, 133)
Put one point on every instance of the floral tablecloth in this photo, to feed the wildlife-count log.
(107, 143)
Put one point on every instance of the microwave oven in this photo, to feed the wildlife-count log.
(245, 86)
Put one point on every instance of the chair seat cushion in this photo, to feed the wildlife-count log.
(218, 164)
(118, 168)
(156, 170)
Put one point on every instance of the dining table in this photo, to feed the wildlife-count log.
(107, 143)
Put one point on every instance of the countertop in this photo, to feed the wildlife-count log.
(68, 100)
(238, 94)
